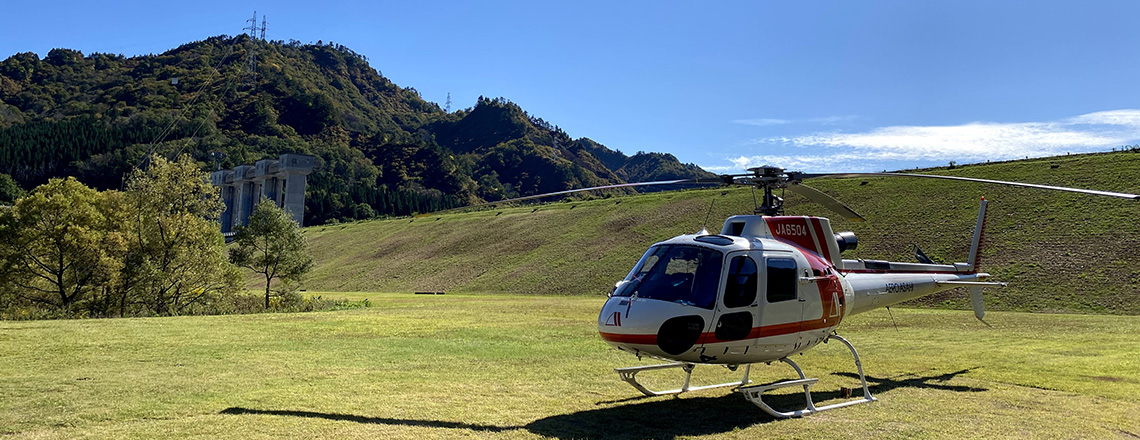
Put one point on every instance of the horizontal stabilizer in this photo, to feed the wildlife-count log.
(974, 283)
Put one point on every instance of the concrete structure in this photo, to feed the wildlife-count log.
(282, 180)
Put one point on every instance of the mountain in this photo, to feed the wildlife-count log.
(381, 148)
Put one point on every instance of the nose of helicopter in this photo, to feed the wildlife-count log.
(650, 327)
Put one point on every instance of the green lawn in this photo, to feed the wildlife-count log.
(498, 366)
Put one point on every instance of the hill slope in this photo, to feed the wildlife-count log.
(381, 148)
(1059, 251)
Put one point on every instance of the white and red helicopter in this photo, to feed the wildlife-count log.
(767, 287)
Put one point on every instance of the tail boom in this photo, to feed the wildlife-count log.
(878, 290)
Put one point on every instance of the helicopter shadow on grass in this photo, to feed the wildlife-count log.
(653, 418)
(879, 385)
(649, 418)
(669, 417)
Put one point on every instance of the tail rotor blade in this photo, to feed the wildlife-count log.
(827, 201)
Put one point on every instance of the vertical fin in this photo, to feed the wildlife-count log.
(976, 244)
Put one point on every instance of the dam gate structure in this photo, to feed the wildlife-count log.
(281, 180)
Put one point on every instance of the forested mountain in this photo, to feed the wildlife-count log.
(381, 148)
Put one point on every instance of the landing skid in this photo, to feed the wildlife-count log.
(629, 375)
(754, 393)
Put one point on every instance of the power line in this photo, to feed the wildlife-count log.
(251, 59)
(169, 127)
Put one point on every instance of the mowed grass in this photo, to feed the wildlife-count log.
(501, 366)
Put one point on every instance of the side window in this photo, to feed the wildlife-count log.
(782, 279)
(740, 288)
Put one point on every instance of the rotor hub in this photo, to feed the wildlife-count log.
(767, 178)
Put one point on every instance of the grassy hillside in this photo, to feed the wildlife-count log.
(1059, 251)
(528, 367)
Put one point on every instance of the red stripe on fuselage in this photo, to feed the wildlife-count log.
(763, 331)
(710, 338)
(629, 339)
(825, 250)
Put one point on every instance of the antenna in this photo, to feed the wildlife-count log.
(705, 226)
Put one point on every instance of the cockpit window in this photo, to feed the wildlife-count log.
(675, 273)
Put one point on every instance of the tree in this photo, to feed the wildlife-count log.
(59, 244)
(176, 255)
(271, 245)
(9, 190)
(67, 246)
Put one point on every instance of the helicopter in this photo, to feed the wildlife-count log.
(768, 286)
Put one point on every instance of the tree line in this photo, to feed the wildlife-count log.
(154, 248)
(39, 150)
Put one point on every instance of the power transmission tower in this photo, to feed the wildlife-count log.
(252, 28)
(251, 53)
(448, 107)
(262, 26)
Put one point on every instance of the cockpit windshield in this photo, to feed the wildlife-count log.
(675, 273)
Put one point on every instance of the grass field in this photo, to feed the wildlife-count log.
(500, 366)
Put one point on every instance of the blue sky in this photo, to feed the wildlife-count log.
(813, 86)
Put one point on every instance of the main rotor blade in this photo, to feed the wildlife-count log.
(970, 179)
(827, 201)
(710, 180)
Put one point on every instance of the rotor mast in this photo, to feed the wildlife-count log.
(768, 178)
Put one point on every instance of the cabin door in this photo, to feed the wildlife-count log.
(739, 307)
(782, 301)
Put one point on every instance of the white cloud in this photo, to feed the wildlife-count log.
(825, 120)
(763, 122)
(834, 162)
(1126, 117)
(973, 142)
